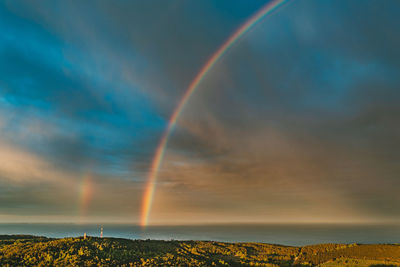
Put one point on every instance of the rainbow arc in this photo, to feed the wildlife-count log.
(159, 153)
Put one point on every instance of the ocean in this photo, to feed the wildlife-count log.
(285, 234)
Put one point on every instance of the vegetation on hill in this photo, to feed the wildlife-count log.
(40, 251)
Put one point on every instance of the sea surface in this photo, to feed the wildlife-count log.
(285, 234)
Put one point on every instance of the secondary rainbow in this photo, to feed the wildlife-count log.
(159, 153)
(85, 192)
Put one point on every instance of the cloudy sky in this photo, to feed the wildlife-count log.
(298, 122)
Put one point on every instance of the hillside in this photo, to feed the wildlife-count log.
(20, 250)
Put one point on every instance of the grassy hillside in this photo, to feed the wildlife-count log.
(41, 251)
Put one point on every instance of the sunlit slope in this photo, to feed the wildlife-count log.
(33, 251)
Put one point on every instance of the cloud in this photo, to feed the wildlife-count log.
(20, 166)
(297, 120)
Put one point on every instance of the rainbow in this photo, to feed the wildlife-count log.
(159, 153)
(85, 192)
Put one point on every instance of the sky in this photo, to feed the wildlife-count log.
(298, 121)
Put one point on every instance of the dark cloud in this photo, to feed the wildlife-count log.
(302, 113)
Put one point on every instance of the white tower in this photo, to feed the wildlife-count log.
(101, 232)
